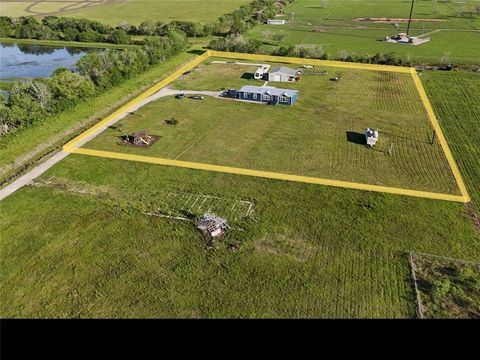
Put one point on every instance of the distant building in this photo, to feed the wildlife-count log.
(283, 74)
(276, 22)
(268, 94)
(371, 136)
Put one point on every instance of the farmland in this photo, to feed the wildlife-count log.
(308, 251)
(335, 29)
(320, 136)
(96, 237)
(130, 11)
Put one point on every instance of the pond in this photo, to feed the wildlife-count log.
(20, 61)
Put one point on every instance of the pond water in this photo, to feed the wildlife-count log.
(19, 61)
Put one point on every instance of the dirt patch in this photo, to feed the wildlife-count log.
(73, 187)
(473, 216)
(394, 20)
(293, 247)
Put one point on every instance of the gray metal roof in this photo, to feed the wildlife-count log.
(270, 90)
(285, 70)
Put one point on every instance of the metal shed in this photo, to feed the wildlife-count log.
(283, 74)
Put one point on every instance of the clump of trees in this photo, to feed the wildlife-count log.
(60, 28)
(236, 43)
(32, 101)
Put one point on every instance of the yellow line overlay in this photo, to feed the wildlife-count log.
(72, 146)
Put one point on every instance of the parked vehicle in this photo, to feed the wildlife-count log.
(179, 96)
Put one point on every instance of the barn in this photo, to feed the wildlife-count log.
(268, 95)
(283, 74)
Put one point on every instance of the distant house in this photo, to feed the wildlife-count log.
(283, 74)
(268, 94)
(276, 22)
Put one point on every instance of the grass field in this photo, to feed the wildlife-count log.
(454, 97)
(336, 31)
(130, 11)
(320, 136)
(308, 251)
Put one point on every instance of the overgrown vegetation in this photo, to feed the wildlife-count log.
(448, 288)
(33, 101)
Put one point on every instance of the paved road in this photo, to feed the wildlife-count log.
(43, 167)
(31, 175)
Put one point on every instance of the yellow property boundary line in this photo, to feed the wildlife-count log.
(72, 146)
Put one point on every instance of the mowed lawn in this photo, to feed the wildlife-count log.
(320, 136)
(335, 29)
(307, 251)
(454, 96)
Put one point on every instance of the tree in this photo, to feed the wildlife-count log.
(119, 36)
(69, 88)
(278, 37)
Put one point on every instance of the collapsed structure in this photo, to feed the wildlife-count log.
(213, 226)
(140, 139)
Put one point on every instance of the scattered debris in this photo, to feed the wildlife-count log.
(140, 139)
(213, 226)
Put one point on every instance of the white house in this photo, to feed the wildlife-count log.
(283, 74)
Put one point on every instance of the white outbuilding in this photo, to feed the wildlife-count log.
(371, 136)
(283, 74)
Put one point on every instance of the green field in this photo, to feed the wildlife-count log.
(454, 96)
(308, 251)
(130, 11)
(320, 136)
(335, 30)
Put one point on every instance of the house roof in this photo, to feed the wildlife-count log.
(270, 90)
(285, 70)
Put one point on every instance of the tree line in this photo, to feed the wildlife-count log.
(84, 30)
(33, 101)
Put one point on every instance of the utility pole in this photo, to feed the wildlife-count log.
(410, 18)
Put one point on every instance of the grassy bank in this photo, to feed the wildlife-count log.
(28, 145)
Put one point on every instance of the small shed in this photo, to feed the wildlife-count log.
(371, 136)
(211, 225)
(283, 74)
